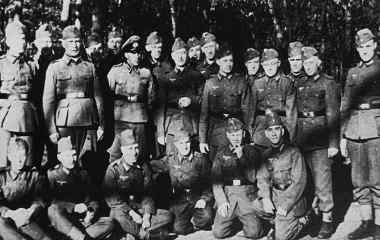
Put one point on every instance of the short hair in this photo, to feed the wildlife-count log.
(17, 144)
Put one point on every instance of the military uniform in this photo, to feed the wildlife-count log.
(127, 188)
(317, 130)
(207, 67)
(234, 181)
(283, 179)
(133, 93)
(24, 190)
(68, 189)
(72, 102)
(190, 182)
(276, 93)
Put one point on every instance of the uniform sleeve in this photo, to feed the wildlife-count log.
(345, 103)
(263, 181)
(48, 100)
(295, 191)
(246, 105)
(91, 199)
(290, 109)
(332, 113)
(112, 192)
(203, 121)
(216, 179)
(111, 80)
(160, 114)
(147, 203)
(204, 168)
(98, 95)
(253, 107)
(40, 188)
(160, 165)
(3, 207)
(152, 90)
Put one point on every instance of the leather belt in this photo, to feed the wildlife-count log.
(237, 182)
(225, 116)
(75, 95)
(262, 113)
(311, 114)
(20, 96)
(130, 98)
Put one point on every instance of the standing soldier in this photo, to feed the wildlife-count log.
(295, 62)
(252, 65)
(112, 53)
(191, 200)
(21, 197)
(74, 198)
(72, 100)
(18, 114)
(127, 189)
(274, 91)
(209, 47)
(234, 179)
(282, 182)
(133, 92)
(225, 95)
(317, 132)
(360, 111)
(195, 52)
(179, 97)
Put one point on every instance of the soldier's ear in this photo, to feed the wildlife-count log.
(148, 48)
(216, 46)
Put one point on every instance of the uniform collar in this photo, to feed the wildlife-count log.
(68, 60)
(208, 62)
(221, 77)
(368, 64)
(186, 158)
(316, 77)
(178, 70)
(131, 68)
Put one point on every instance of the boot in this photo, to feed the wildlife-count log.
(327, 229)
(363, 231)
(376, 232)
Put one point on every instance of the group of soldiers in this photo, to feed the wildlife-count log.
(195, 145)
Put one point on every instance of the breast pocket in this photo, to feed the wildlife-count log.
(234, 99)
(63, 80)
(282, 178)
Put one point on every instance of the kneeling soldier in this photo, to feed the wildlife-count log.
(126, 187)
(282, 181)
(192, 196)
(73, 211)
(234, 184)
(20, 196)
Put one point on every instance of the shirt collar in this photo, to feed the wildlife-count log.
(68, 60)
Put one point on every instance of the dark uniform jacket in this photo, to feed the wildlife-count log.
(190, 174)
(229, 171)
(72, 95)
(72, 188)
(318, 116)
(360, 107)
(128, 188)
(284, 175)
(297, 78)
(276, 93)
(175, 85)
(23, 190)
(207, 70)
(127, 83)
(224, 97)
(17, 76)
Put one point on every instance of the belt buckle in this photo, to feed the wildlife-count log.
(364, 106)
(236, 182)
(310, 114)
(226, 115)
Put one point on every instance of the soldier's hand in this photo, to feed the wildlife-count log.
(136, 217)
(161, 140)
(146, 221)
(201, 203)
(100, 133)
(87, 221)
(332, 152)
(343, 147)
(223, 209)
(80, 208)
(54, 138)
(184, 102)
(268, 206)
(20, 217)
(204, 148)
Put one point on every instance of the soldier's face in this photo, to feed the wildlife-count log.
(114, 44)
(295, 64)
(271, 67)
(17, 157)
(45, 42)
(179, 57)
(133, 58)
(72, 46)
(253, 65)
(311, 66)
(195, 52)
(235, 138)
(226, 64)
(209, 50)
(274, 133)
(367, 50)
(183, 146)
(130, 153)
(68, 159)
(155, 50)
(16, 44)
